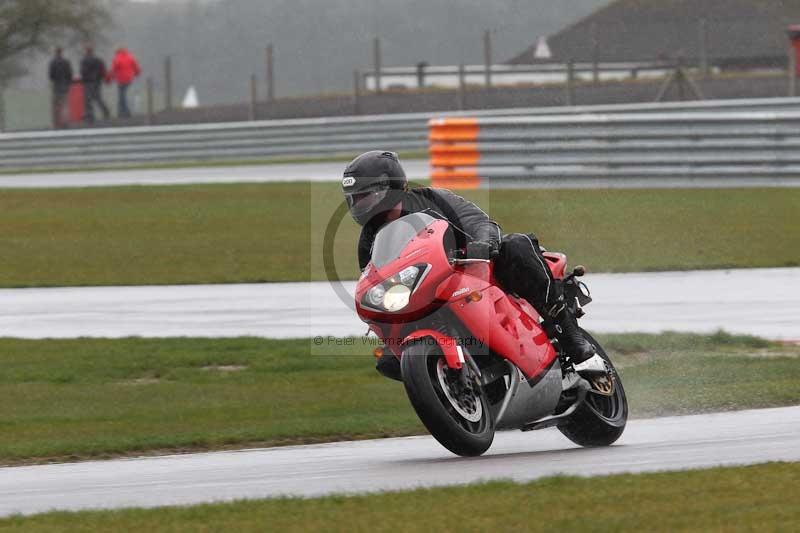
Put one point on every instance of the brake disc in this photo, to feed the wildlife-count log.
(463, 399)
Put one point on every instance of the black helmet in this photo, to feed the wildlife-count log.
(373, 184)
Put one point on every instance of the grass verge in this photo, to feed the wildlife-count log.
(275, 232)
(73, 399)
(750, 498)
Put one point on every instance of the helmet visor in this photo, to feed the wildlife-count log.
(361, 203)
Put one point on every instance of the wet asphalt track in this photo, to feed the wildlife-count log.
(763, 302)
(417, 169)
(675, 443)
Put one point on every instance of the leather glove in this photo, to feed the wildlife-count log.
(481, 250)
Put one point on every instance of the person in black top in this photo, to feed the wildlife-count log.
(93, 73)
(376, 191)
(60, 74)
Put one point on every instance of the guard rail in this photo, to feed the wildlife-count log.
(515, 151)
(295, 139)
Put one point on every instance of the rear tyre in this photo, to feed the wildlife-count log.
(457, 415)
(600, 420)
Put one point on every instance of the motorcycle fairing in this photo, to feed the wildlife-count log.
(509, 326)
(453, 353)
(418, 251)
(557, 263)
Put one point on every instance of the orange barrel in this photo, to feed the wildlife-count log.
(454, 152)
(456, 179)
(75, 101)
(794, 38)
(453, 129)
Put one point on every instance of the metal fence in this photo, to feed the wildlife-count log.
(327, 137)
(515, 151)
(424, 75)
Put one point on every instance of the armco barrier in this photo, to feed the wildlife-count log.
(518, 151)
(299, 139)
(302, 139)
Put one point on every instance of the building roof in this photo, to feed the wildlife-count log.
(646, 30)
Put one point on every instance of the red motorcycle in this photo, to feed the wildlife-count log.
(473, 358)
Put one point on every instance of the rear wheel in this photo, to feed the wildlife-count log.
(601, 419)
(451, 403)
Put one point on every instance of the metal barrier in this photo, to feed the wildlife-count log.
(302, 139)
(518, 151)
(296, 139)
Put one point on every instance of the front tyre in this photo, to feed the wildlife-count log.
(601, 419)
(452, 405)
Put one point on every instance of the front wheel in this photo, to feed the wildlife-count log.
(451, 403)
(601, 419)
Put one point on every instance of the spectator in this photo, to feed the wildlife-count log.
(93, 72)
(60, 74)
(124, 69)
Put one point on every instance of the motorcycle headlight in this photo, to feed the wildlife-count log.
(393, 294)
(396, 298)
(376, 294)
(409, 275)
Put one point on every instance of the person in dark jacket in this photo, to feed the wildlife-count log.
(60, 74)
(376, 190)
(93, 73)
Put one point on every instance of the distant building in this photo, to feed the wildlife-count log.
(736, 34)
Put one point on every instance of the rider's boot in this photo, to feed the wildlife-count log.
(581, 352)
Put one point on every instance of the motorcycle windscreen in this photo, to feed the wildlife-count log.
(393, 238)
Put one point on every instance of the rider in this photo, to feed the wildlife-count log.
(376, 190)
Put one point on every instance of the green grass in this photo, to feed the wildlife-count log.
(750, 498)
(144, 235)
(67, 399)
(640, 230)
(678, 373)
(275, 232)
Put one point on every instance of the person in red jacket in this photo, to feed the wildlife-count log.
(124, 69)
